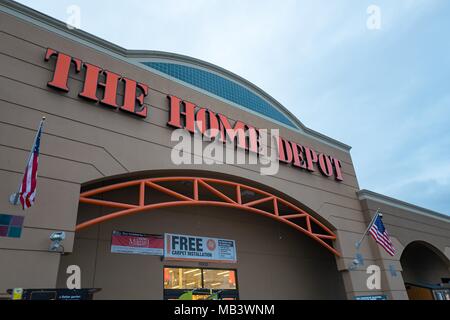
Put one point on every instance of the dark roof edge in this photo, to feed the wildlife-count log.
(34, 14)
(370, 195)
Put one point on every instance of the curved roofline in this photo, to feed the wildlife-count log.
(217, 69)
(292, 122)
(90, 39)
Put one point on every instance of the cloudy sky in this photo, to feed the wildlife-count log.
(384, 91)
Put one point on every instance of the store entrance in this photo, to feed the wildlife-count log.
(187, 283)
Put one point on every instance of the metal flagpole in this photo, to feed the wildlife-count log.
(14, 198)
(377, 213)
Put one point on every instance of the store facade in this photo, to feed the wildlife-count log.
(143, 222)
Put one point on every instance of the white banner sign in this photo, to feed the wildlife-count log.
(183, 247)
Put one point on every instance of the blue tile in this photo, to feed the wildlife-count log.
(15, 232)
(221, 87)
(5, 219)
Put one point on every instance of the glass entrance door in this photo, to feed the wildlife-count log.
(200, 284)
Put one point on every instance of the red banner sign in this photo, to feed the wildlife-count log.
(137, 243)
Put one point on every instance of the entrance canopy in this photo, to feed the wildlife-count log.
(199, 191)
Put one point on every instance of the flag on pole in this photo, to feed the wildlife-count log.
(379, 233)
(27, 189)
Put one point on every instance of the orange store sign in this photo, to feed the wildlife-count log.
(182, 114)
(188, 116)
(133, 102)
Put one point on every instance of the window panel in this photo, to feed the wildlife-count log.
(219, 279)
(182, 278)
(191, 278)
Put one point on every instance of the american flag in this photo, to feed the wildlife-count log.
(27, 191)
(379, 233)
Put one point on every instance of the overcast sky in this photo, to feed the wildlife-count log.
(383, 91)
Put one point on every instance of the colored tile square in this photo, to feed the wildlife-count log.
(3, 231)
(17, 221)
(15, 232)
(5, 219)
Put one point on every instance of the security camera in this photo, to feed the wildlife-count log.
(56, 238)
(354, 265)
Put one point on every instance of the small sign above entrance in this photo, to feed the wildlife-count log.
(136, 243)
(194, 248)
(373, 297)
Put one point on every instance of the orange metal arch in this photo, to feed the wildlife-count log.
(225, 201)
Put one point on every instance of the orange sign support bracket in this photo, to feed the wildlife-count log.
(311, 227)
